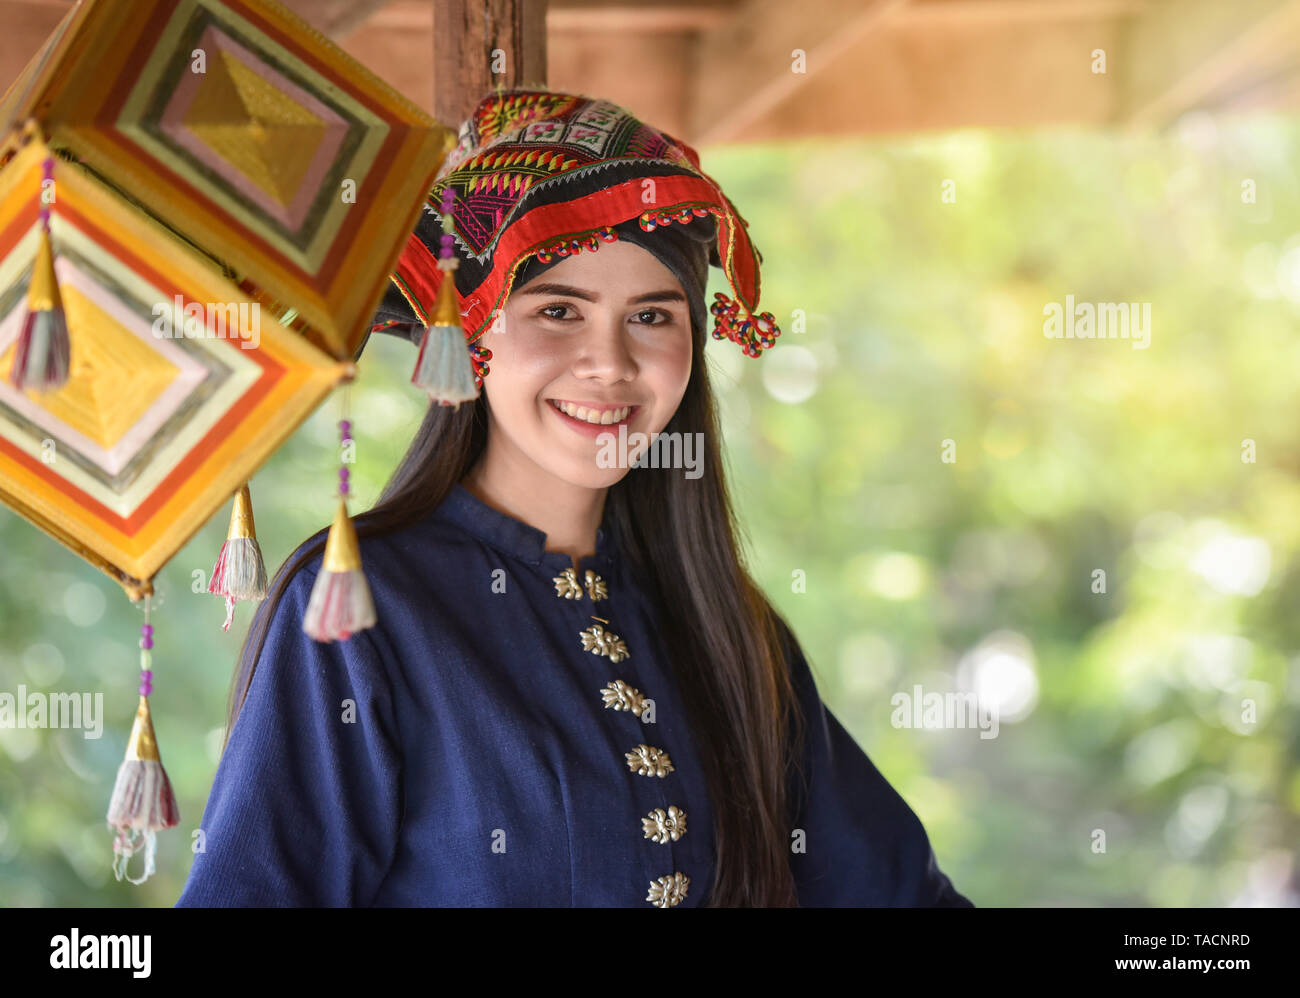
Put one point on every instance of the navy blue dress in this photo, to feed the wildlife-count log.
(501, 738)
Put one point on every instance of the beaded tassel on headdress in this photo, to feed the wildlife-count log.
(443, 368)
(142, 803)
(42, 352)
(340, 602)
(240, 573)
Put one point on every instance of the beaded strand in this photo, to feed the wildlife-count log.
(146, 652)
(345, 437)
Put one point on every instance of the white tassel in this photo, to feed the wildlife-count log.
(142, 803)
(443, 368)
(340, 603)
(240, 573)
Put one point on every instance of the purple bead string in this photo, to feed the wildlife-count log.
(447, 250)
(45, 206)
(345, 431)
(146, 644)
(448, 240)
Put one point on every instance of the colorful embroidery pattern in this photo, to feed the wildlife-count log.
(537, 173)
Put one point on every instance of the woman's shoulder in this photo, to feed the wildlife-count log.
(396, 560)
(419, 576)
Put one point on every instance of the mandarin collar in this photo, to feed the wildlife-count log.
(515, 537)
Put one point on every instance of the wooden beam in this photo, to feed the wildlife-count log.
(482, 46)
(907, 77)
(1178, 56)
(743, 67)
(1005, 12)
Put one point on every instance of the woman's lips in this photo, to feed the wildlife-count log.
(593, 429)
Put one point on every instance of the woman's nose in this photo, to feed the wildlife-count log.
(606, 348)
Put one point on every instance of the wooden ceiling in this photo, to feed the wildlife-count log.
(712, 71)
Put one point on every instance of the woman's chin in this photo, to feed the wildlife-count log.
(586, 472)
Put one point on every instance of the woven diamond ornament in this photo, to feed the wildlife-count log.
(200, 207)
(168, 407)
(252, 136)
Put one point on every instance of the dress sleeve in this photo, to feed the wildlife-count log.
(862, 845)
(306, 805)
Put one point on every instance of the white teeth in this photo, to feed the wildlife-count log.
(592, 416)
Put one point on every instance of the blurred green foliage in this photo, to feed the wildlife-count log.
(918, 270)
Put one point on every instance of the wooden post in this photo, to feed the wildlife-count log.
(484, 45)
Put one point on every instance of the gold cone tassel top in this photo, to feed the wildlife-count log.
(446, 308)
(342, 553)
(142, 744)
(43, 291)
(241, 515)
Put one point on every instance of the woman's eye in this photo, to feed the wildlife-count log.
(549, 310)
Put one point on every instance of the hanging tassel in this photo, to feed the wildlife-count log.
(240, 573)
(443, 368)
(42, 353)
(340, 602)
(142, 803)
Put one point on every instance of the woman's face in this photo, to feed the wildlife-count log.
(605, 329)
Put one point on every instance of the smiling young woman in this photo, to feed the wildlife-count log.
(575, 694)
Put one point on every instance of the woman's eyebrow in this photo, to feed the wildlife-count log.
(668, 294)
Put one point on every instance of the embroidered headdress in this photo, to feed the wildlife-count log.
(538, 175)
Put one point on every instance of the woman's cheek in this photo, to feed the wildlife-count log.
(530, 348)
(671, 365)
